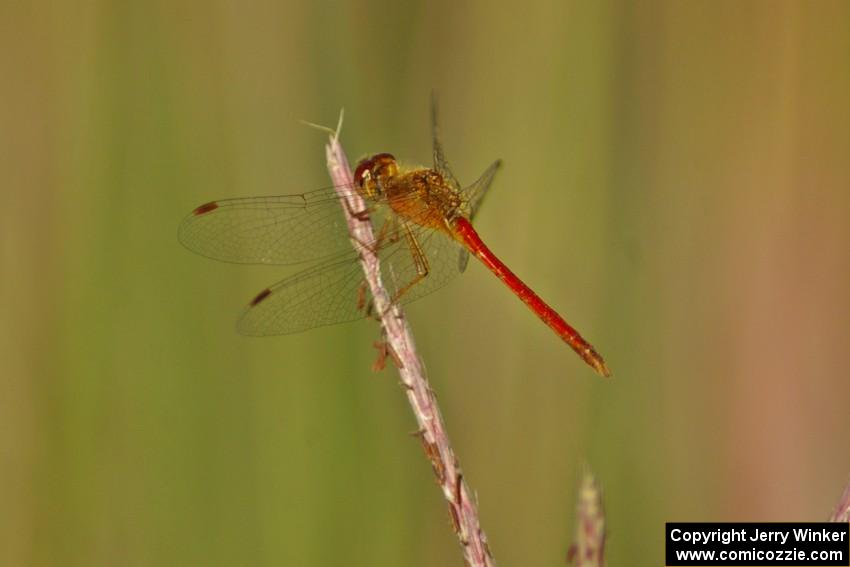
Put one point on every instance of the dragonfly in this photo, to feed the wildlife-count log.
(422, 221)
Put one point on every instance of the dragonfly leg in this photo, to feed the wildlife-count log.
(387, 234)
(385, 350)
(420, 261)
(364, 304)
(362, 216)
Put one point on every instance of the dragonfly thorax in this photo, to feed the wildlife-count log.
(419, 195)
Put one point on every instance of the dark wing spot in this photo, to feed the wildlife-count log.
(205, 208)
(261, 296)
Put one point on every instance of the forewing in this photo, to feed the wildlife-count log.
(268, 230)
(441, 164)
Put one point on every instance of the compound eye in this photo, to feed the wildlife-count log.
(364, 171)
(364, 180)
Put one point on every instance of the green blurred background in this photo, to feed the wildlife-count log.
(676, 182)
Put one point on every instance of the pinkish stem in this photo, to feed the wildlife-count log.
(432, 431)
(589, 548)
(842, 511)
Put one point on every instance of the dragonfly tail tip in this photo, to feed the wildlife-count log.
(596, 362)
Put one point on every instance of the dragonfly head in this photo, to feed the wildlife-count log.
(372, 173)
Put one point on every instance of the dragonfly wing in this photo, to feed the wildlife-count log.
(474, 194)
(268, 230)
(334, 291)
(440, 162)
(331, 292)
(462, 260)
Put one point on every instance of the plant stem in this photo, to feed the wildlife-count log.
(463, 509)
(842, 510)
(589, 548)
